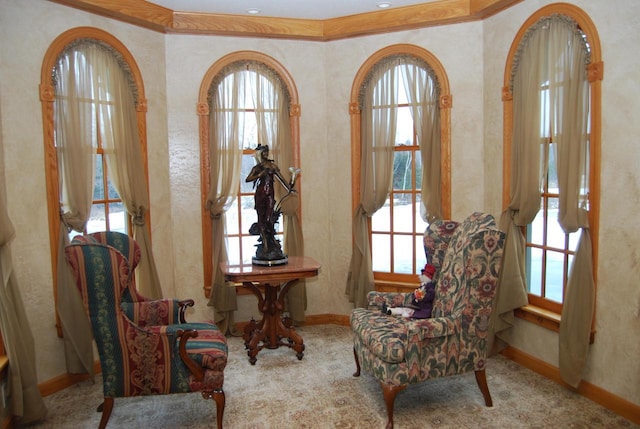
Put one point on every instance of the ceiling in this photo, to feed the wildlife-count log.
(301, 9)
(320, 20)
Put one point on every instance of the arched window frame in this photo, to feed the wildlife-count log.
(203, 115)
(539, 310)
(47, 99)
(393, 281)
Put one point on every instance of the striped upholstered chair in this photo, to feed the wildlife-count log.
(141, 360)
(139, 308)
(400, 351)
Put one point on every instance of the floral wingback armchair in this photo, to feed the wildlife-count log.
(140, 309)
(401, 351)
(143, 360)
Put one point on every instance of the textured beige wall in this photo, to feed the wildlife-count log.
(173, 66)
(26, 31)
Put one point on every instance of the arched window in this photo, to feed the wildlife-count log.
(246, 99)
(553, 69)
(551, 193)
(95, 152)
(400, 113)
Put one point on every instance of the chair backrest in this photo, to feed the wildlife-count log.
(436, 242)
(467, 277)
(101, 273)
(122, 242)
(129, 248)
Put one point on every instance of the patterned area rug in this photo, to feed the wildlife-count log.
(319, 391)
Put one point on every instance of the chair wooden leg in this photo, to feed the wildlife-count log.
(106, 407)
(389, 391)
(219, 398)
(355, 355)
(481, 378)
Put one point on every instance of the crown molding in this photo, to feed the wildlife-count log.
(161, 19)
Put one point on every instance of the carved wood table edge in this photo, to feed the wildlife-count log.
(272, 331)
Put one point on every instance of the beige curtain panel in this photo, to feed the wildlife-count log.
(225, 160)
(26, 404)
(271, 101)
(274, 128)
(74, 115)
(123, 153)
(552, 53)
(86, 71)
(378, 130)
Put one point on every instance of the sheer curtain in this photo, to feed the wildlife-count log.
(423, 93)
(226, 133)
(553, 51)
(74, 116)
(26, 401)
(122, 149)
(378, 130)
(270, 98)
(94, 95)
(272, 111)
(571, 108)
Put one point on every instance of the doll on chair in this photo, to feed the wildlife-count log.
(422, 302)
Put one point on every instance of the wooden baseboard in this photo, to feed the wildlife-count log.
(63, 381)
(618, 405)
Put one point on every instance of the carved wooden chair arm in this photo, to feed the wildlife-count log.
(193, 366)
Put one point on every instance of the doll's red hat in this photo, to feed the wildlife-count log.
(429, 270)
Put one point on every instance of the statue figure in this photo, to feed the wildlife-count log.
(263, 175)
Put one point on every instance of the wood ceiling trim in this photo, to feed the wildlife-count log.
(158, 18)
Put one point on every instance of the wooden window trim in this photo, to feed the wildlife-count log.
(47, 99)
(397, 280)
(202, 109)
(545, 314)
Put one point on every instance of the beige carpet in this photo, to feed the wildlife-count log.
(319, 391)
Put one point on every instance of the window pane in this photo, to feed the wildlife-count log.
(421, 225)
(535, 230)
(248, 161)
(418, 162)
(97, 219)
(554, 276)
(402, 171)
(249, 243)
(233, 250)
(403, 254)
(421, 258)
(381, 220)
(380, 252)
(555, 234)
(279, 227)
(98, 185)
(553, 170)
(249, 130)
(404, 127)
(403, 213)
(534, 270)
(248, 213)
(117, 217)
(113, 194)
(231, 216)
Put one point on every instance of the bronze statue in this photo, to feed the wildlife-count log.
(263, 176)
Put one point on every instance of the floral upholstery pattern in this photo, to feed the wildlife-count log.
(143, 360)
(400, 351)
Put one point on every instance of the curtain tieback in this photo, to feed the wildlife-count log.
(138, 217)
